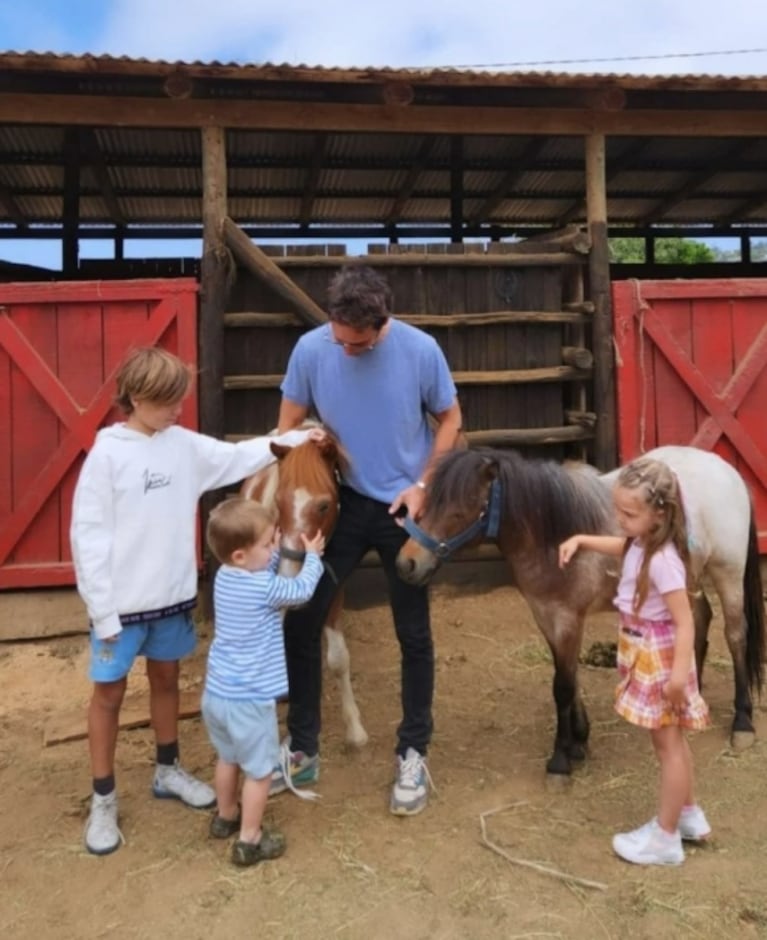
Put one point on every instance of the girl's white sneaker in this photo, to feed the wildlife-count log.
(649, 845)
(693, 825)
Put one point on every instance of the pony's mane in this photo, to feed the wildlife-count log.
(542, 498)
(306, 465)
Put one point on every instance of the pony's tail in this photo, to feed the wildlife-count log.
(753, 608)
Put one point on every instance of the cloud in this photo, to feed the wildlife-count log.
(430, 33)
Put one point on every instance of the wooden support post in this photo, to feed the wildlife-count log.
(456, 189)
(119, 243)
(251, 257)
(214, 279)
(214, 293)
(70, 248)
(605, 450)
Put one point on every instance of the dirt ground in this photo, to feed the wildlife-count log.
(351, 869)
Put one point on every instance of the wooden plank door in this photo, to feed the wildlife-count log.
(692, 369)
(60, 347)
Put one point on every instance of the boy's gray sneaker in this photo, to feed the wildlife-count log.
(172, 782)
(102, 834)
(295, 769)
(410, 793)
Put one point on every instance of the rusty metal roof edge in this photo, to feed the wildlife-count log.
(269, 71)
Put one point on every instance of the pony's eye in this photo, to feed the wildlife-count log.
(323, 507)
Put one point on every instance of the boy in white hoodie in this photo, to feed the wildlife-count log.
(134, 551)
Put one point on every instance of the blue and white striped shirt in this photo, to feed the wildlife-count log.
(246, 659)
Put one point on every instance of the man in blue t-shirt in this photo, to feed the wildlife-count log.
(373, 381)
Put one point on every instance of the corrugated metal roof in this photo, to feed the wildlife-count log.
(310, 177)
(105, 64)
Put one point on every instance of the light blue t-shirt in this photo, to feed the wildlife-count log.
(375, 403)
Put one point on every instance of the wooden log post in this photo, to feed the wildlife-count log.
(577, 356)
(252, 258)
(214, 279)
(214, 293)
(570, 238)
(605, 450)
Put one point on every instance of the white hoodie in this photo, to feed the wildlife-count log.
(134, 515)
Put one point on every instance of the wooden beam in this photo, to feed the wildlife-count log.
(496, 377)
(125, 111)
(264, 267)
(411, 178)
(696, 181)
(419, 258)
(91, 155)
(72, 726)
(502, 190)
(12, 208)
(605, 450)
(516, 437)
(438, 321)
(313, 179)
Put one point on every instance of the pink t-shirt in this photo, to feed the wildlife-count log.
(667, 574)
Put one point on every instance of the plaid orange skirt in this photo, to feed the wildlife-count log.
(645, 658)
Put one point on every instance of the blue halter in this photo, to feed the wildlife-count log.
(487, 525)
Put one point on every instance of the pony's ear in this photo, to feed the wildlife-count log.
(489, 469)
(329, 449)
(279, 450)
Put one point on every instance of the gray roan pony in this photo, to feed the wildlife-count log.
(529, 506)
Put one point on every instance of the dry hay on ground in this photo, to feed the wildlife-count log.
(352, 870)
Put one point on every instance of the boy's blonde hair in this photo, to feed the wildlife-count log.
(236, 523)
(154, 375)
(657, 485)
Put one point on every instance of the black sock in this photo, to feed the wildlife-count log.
(167, 754)
(104, 785)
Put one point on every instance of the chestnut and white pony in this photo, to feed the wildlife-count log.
(303, 487)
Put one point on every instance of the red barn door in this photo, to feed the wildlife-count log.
(692, 369)
(60, 346)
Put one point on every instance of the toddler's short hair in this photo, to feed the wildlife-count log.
(154, 375)
(236, 523)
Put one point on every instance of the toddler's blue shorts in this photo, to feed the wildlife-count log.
(244, 733)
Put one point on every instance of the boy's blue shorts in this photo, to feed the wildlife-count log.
(244, 733)
(167, 640)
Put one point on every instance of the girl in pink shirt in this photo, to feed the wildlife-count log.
(658, 686)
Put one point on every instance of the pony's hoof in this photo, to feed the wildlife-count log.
(578, 753)
(742, 740)
(357, 739)
(558, 783)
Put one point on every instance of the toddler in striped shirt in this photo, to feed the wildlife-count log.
(246, 670)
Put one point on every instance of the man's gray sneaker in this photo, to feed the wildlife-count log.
(172, 782)
(102, 834)
(410, 793)
(295, 769)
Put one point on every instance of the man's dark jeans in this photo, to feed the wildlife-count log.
(363, 524)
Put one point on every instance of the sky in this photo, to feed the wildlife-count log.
(647, 37)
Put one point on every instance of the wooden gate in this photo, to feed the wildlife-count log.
(60, 347)
(692, 369)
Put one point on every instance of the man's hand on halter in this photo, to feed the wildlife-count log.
(412, 499)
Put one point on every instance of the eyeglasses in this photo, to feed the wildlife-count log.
(365, 345)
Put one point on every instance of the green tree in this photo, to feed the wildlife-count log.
(667, 251)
